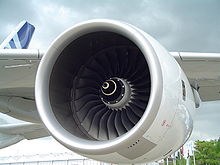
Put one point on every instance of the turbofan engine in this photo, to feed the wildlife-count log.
(109, 91)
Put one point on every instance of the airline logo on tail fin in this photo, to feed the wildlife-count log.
(20, 37)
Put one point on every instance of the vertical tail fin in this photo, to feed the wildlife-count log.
(20, 37)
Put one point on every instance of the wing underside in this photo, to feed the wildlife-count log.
(13, 130)
(203, 72)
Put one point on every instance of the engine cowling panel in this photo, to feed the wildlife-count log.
(110, 92)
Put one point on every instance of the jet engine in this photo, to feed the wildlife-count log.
(107, 90)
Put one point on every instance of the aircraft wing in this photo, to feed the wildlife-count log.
(202, 70)
(19, 69)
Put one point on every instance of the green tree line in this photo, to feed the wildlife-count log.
(207, 152)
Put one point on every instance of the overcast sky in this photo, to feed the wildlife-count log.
(189, 25)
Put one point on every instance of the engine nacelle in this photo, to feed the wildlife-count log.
(109, 91)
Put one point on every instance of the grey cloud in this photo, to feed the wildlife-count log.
(12, 12)
(179, 26)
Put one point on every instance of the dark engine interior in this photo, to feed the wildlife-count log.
(100, 86)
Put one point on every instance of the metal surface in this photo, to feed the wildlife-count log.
(202, 70)
(42, 88)
(157, 122)
(21, 54)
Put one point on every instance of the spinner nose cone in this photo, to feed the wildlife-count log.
(109, 87)
(112, 91)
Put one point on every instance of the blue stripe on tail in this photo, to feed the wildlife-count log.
(12, 44)
(25, 35)
(19, 38)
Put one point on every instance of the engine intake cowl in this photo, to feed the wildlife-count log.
(99, 89)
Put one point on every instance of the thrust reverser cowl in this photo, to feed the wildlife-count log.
(109, 91)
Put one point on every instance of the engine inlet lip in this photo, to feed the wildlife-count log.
(43, 81)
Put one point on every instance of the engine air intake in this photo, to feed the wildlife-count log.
(103, 88)
(108, 84)
(110, 92)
